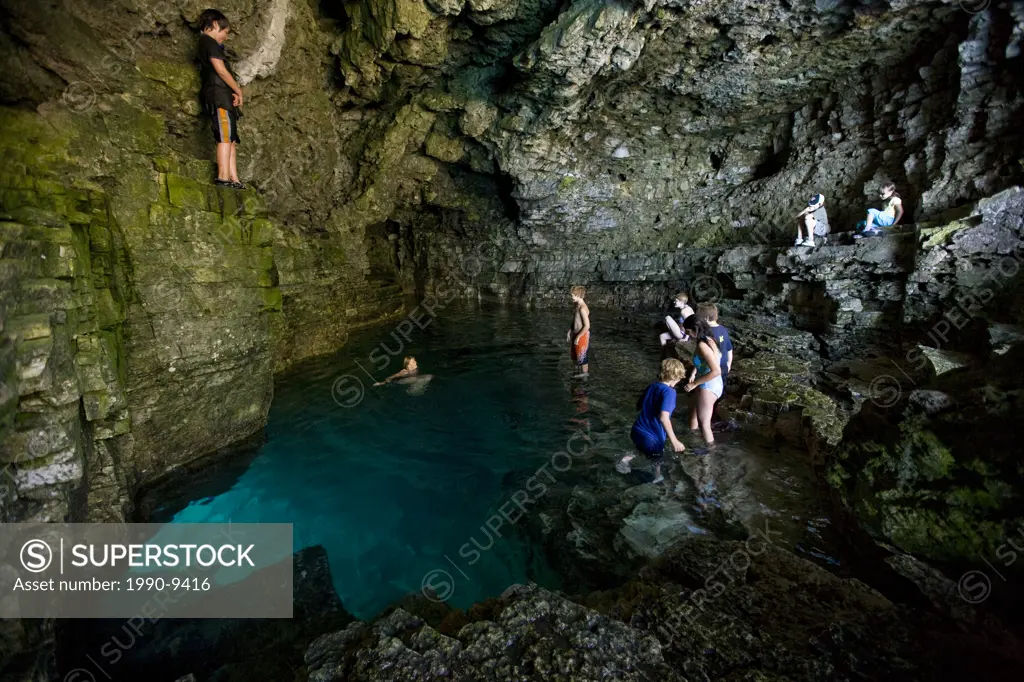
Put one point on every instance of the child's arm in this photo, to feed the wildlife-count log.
(898, 205)
(229, 80)
(394, 376)
(728, 362)
(666, 421)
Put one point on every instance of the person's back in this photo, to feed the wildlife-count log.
(653, 424)
(709, 312)
(821, 226)
(724, 341)
(647, 428)
(214, 91)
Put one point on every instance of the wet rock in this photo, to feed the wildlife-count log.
(699, 612)
(931, 402)
(932, 480)
(530, 634)
(1002, 337)
(942, 361)
(774, 391)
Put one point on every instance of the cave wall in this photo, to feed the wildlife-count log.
(395, 146)
(144, 312)
(140, 320)
(158, 340)
(675, 149)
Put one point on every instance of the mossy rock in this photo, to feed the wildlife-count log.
(182, 78)
(918, 476)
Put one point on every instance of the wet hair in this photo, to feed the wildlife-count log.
(408, 360)
(578, 291)
(698, 328)
(888, 185)
(682, 296)
(212, 18)
(671, 370)
(709, 311)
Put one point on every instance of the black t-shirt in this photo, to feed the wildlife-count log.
(215, 92)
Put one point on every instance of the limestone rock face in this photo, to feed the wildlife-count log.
(705, 609)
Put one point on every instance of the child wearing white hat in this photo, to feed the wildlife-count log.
(813, 220)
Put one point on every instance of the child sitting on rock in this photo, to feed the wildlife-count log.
(813, 220)
(889, 215)
(675, 331)
(654, 423)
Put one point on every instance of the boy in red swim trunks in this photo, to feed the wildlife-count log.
(578, 335)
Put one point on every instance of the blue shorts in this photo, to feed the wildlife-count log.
(647, 446)
(881, 219)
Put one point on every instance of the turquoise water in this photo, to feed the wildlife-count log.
(392, 485)
(399, 483)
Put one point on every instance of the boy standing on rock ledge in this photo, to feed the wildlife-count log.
(221, 95)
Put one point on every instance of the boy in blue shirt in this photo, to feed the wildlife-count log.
(709, 311)
(221, 95)
(654, 423)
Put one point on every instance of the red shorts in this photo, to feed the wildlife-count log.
(580, 349)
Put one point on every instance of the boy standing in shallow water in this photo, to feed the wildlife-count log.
(654, 423)
(221, 95)
(578, 335)
(709, 311)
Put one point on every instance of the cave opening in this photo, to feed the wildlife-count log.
(333, 12)
(506, 188)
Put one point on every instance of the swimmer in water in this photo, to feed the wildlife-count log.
(409, 374)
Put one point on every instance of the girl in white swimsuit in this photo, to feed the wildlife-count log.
(707, 370)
